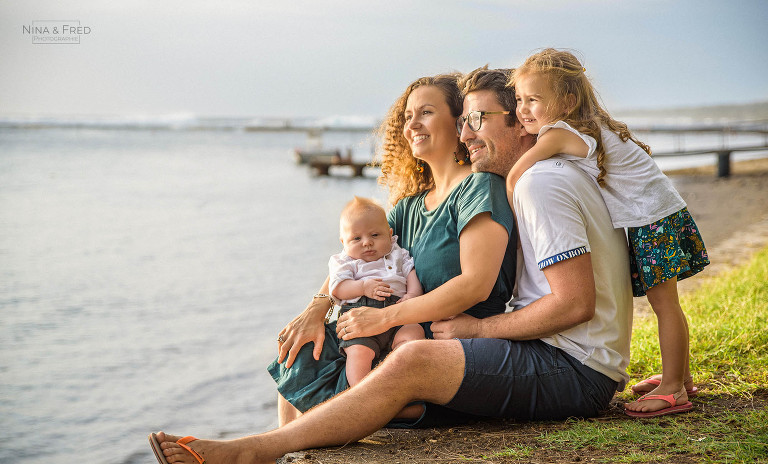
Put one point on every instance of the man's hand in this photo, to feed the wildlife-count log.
(459, 326)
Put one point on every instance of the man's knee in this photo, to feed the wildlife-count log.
(432, 369)
(424, 356)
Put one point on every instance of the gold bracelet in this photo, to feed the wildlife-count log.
(330, 310)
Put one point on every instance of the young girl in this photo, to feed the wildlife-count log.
(372, 271)
(557, 102)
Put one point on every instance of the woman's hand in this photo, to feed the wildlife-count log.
(459, 326)
(362, 322)
(309, 326)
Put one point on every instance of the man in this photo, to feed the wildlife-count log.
(562, 352)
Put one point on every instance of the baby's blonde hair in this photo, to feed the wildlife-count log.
(361, 206)
(566, 76)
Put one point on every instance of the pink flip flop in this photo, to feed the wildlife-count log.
(672, 409)
(656, 382)
(182, 442)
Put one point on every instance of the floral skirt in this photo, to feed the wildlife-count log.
(670, 247)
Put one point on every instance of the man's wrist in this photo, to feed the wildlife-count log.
(480, 327)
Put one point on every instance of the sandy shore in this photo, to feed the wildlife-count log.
(732, 215)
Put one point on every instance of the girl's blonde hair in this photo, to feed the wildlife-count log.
(567, 77)
(399, 168)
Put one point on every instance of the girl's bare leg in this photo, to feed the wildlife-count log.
(673, 341)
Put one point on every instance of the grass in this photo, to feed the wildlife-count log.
(727, 317)
(726, 437)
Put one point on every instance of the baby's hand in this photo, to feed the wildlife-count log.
(376, 289)
(407, 296)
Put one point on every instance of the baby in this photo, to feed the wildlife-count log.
(372, 271)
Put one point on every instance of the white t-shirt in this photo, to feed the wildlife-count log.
(560, 215)
(636, 192)
(392, 269)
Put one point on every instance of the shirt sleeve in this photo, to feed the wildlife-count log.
(484, 192)
(550, 211)
(340, 268)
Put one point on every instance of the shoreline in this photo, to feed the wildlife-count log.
(732, 215)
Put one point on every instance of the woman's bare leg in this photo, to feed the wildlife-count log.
(286, 412)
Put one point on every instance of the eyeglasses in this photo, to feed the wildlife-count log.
(475, 119)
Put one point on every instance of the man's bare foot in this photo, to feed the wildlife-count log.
(214, 452)
(651, 383)
(646, 404)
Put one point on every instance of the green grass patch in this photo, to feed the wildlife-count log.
(727, 437)
(727, 319)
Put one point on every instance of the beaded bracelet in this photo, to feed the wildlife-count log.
(330, 310)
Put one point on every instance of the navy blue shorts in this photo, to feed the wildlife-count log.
(528, 380)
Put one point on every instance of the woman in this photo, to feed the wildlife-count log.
(456, 224)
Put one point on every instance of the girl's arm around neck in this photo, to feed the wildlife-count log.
(553, 142)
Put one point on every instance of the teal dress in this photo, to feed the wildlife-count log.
(432, 238)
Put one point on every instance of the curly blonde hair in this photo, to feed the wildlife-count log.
(567, 77)
(399, 171)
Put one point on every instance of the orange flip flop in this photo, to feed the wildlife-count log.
(181, 442)
(673, 408)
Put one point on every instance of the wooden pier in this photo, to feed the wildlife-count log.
(722, 153)
(723, 159)
(321, 161)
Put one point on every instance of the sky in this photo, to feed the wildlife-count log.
(326, 58)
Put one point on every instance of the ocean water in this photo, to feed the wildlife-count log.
(144, 276)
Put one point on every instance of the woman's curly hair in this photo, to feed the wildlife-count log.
(567, 77)
(399, 171)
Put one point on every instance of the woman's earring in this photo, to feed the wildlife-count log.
(458, 161)
(419, 166)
